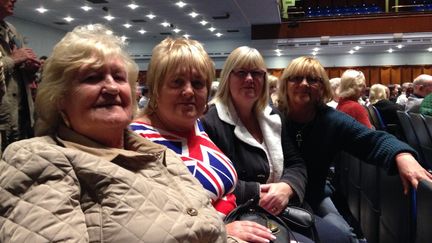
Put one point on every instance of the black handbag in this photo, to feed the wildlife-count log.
(300, 220)
(251, 211)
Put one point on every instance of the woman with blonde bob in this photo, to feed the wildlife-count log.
(379, 97)
(321, 132)
(86, 178)
(243, 125)
(351, 88)
(378, 92)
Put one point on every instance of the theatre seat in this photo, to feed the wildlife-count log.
(424, 138)
(424, 212)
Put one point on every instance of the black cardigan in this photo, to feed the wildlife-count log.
(251, 163)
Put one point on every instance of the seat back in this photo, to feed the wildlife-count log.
(424, 138)
(374, 119)
(408, 133)
(424, 212)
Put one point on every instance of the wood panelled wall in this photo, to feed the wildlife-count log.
(378, 74)
(373, 74)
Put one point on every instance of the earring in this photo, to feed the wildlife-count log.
(65, 119)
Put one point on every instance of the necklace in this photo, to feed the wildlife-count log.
(299, 138)
(300, 131)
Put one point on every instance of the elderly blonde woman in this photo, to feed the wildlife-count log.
(86, 178)
(352, 86)
(379, 97)
(321, 132)
(273, 86)
(334, 84)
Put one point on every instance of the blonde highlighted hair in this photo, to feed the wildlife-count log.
(242, 57)
(172, 55)
(303, 66)
(87, 45)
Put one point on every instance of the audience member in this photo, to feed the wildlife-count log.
(334, 84)
(351, 88)
(426, 106)
(407, 89)
(394, 90)
(143, 101)
(387, 109)
(20, 64)
(179, 77)
(273, 86)
(86, 178)
(321, 132)
(422, 86)
(252, 134)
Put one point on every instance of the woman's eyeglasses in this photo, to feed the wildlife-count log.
(255, 74)
(309, 79)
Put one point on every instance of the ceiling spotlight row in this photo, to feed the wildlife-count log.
(352, 51)
(134, 6)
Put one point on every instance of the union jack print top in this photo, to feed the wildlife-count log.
(202, 157)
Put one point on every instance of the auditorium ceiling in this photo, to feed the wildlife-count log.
(211, 20)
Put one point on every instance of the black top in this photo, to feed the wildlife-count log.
(332, 131)
(251, 163)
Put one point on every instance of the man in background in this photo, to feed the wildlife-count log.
(19, 66)
(422, 87)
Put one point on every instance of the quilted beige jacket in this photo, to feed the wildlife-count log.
(71, 189)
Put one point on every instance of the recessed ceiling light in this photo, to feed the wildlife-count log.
(212, 29)
(176, 30)
(203, 22)
(193, 14)
(399, 46)
(186, 36)
(165, 24)
(41, 10)
(133, 6)
(351, 52)
(429, 49)
(390, 50)
(278, 54)
(123, 38)
(218, 34)
(150, 16)
(69, 19)
(277, 50)
(127, 25)
(180, 4)
(141, 31)
(86, 8)
(357, 48)
(314, 53)
(109, 17)
(316, 49)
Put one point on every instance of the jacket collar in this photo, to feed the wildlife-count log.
(271, 127)
(135, 146)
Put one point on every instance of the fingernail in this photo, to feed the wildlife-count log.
(273, 237)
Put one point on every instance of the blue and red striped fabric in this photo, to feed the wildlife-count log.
(203, 159)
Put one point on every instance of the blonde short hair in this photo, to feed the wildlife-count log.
(303, 66)
(170, 55)
(272, 80)
(90, 45)
(243, 56)
(377, 92)
(352, 83)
